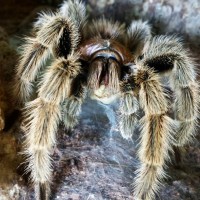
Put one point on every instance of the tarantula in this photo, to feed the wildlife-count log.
(106, 60)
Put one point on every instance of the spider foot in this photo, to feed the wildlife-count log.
(42, 191)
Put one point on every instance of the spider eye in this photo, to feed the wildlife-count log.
(106, 57)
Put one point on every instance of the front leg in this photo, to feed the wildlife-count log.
(60, 33)
(166, 54)
(129, 107)
(72, 106)
(42, 117)
(138, 34)
(157, 134)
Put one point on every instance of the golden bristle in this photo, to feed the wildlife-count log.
(56, 82)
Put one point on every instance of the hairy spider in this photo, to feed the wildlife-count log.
(109, 61)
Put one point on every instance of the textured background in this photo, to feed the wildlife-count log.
(96, 162)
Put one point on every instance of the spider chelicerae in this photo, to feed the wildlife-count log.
(105, 60)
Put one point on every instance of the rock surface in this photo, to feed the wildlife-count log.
(96, 163)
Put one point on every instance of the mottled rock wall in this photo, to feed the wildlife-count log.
(9, 145)
(179, 17)
(8, 60)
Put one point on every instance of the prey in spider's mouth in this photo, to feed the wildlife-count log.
(104, 76)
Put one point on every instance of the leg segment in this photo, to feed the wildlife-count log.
(128, 111)
(139, 34)
(58, 34)
(55, 34)
(34, 55)
(157, 132)
(71, 111)
(72, 106)
(166, 54)
(183, 82)
(42, 118)
(42, 121)
(75, 10)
